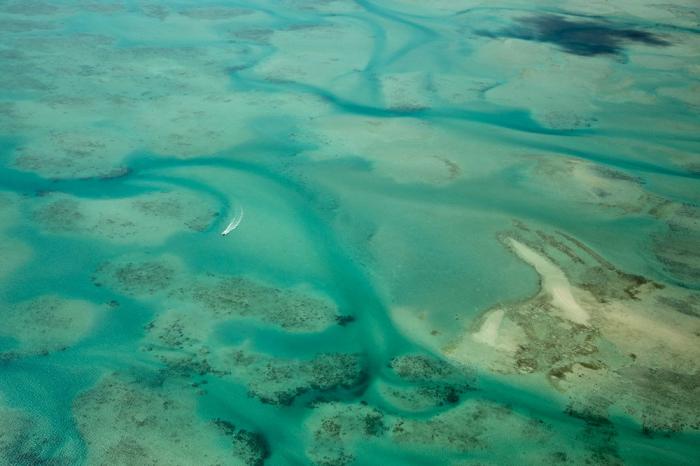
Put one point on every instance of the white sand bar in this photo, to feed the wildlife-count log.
(488, 333)
(554, 283)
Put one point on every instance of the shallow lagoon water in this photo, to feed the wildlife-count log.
(471, 232)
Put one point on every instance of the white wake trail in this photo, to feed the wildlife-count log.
(234, 223)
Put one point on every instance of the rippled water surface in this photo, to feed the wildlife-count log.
(457, 232)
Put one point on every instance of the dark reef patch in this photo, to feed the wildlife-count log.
(433, 382)
(135, 277)
(600, 437)
(689, 305)
(584, 38)
(26, 440)
(279, 382)
(252, 447)
(344, 320)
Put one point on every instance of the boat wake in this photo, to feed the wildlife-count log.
(234, 223)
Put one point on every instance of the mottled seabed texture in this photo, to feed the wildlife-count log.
(468, 232)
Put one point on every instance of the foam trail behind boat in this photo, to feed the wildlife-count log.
(234, 223)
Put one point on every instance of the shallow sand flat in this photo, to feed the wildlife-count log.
(27, 439)
(482, 431)
(140, 275)
(426, 153)
(282, 235)
(554, 283)
(469, 236)
(150, 218)
(321, 44)
(488, 332)
(670, 343)
(422, 383)
(124, 422)
(588, 184)
(624, 335)
(13, 251)
(74, 154)
(205, 302)
(47, 324)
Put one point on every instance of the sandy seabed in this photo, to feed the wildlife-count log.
(471, 232)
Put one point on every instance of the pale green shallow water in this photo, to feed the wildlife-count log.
(469, 232)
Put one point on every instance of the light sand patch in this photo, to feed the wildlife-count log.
(588, 185)
(554, 283)
(496, 331)
(13, 253)
(413, 323)
(488, 333)
(48, 323)
(668, 340)
(147, 219)
(636, 355)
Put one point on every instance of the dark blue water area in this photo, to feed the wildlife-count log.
(581, 37)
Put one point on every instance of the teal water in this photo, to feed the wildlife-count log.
(469, 232)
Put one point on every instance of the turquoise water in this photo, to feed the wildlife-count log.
(463, 233)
